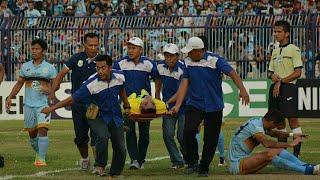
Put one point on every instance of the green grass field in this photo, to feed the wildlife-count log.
(62, 155)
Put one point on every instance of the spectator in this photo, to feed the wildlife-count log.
(108, 11)
(206, 9)
(69, 11)
(45, 10)
(219, 7)
(318, 7)
(234, 7)
(80, 8)
(38, 4)
(97, 12)
(21, 6)
(4, 10)
(57, 8)
(277, 10)
(32, 14)
(264, 8)
(65, 3)
(297, 9)
(150, 9)
(249, 10)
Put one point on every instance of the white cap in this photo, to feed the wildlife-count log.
(193, 43)
(69, 7)
(171, 48)
(136, 41)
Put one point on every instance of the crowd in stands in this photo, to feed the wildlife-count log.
(235, 45)
(31, 8)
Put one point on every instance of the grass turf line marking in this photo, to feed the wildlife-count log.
(44, 173)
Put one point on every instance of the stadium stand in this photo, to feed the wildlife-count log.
(241, 31)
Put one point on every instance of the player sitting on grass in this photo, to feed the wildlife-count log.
(251, 134)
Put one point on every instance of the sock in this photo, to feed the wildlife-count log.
(221, 145)
(288, 165)
(34, 144)
(290, 157)
(198, 138)
(198, 141)
(296, 150)
(43, 144)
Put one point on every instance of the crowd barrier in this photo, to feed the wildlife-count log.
(245, 41)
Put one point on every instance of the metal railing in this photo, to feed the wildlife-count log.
(246, 41)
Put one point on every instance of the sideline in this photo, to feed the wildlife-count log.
(44, 173)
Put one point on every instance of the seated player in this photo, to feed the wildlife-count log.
(251, 134)
(144, 106)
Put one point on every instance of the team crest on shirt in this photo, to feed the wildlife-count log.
(80, 63)
(147, 66)
(176, 75)
(45, 70)
(278, 59)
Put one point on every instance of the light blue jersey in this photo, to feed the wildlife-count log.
(238, 149)
(36, 73)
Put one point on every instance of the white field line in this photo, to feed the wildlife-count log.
(44, 173)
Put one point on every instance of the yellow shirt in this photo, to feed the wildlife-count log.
(284, 60)
(135, 102)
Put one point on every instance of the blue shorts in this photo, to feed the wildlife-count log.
(237, 151)
(34, 119)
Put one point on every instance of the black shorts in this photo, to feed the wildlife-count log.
(81, 126)
(287, 101)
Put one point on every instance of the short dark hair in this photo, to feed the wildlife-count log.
(284, 24)
(42, 43)
(204, 40)
(148, 111)
(275, 116)
(90, 35)
(105, 58)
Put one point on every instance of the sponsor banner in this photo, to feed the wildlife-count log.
(309, 99)
(16, 110)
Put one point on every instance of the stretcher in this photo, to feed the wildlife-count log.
(146, 117)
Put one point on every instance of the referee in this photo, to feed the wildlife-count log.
(284, 70)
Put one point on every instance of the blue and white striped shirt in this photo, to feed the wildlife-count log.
(137, 76)
(105, 95)
(205, 82)
(171, 81)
